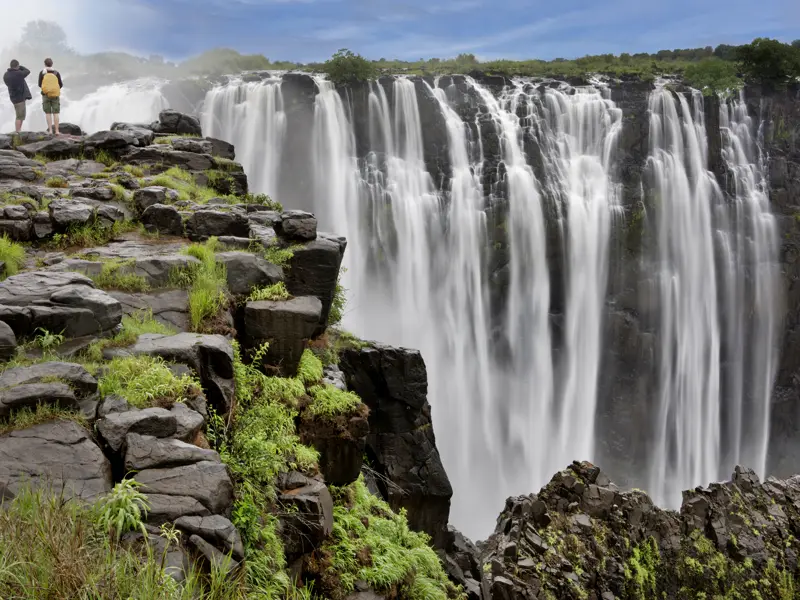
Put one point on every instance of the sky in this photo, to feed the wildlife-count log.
(312, 30)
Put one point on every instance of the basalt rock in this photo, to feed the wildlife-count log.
(171, 121)
(309, 518)
(246, 271)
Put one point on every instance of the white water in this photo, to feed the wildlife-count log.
(251, 117)
(718, 280)
(137, 101)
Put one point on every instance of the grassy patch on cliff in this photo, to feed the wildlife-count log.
(12, 255)
(133, 326)
(146, 381)
(114, 275)
(330, 402)
(207, 284)
(273, 292)
(371, 543)
(88, 235)
(52, 548)
(42, 413)
(184, 183)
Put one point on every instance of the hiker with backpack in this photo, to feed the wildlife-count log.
(18, 91)
(50, 82)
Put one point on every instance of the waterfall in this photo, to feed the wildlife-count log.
(137, 101)
(251, 117)
(718, 284)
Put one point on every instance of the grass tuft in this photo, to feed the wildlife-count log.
(42, 413)
(88, 235)
(274, 292)
(12, 254)
(183, 182)
(133, 326)
(280, 256)
(104, 157)
(310, 369)
(57, 182)
(207, 285)
(113, 277)
(330, 402)
(146, 381)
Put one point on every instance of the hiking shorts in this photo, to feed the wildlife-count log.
(51, 106)
(20, 110)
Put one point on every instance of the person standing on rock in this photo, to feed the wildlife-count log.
(18, 91)
(50, 82)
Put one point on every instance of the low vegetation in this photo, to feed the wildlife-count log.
(310, 369)
(207, 283)
(371, 543)
(184, 183)
(42, 413)
(57, 182)
(146, 381)
(272, 292)
(12, 255)
(133, 326)
(88, 235)
(346, 67)
(116, 275)
(339, 302)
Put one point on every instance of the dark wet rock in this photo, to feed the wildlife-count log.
(175, 559)
(217, 530)
(221, 149)
(204, 224)
(313, 271)
(76, 166)
(141, 132)
(70, 213)
(112, 404)
(114, 142)
(42, 225)
(73, 374)
(189, 422)
(168, 508)
(167, 157)
(17, 230)
(206, 481)
(213, 557)
(196, 145)
(308, 520)
(8, 342)
(246, 271)
(148, 452)
(287, 325)
(171, 121)
(393, 383)
(56, 147)
(115, 427)
(70, 129)
(297, 225)
(340, 443)
(169, 307)
(66, 302)
(59, 455)
(149, 196)
(30, 395)
(160, 218)
(211, 357)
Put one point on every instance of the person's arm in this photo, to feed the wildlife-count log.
(58, 74)
(41, 76)
(25, 72)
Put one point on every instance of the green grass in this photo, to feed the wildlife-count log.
(57, 182)
(330, 402)
(133, 170)
(188, 190)
(280, 256)
(146, 381)
(169, 138)
(119, 192)
(133, 326)
(274, 292)
(105, 158)
(370, 543)
(42, 413)
(52, 548)
(339, 301)
(12, 254)
(310, 369)
(42, 158)
(207, 285)
(262, 200)
(89, 235)
(114, 276)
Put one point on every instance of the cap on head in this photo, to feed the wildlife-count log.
(14, 63)
(48, 62)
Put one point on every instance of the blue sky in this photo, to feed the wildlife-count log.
(308, 30)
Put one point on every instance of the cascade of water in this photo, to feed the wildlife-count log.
(687, 438)
(252, 118)
(137, 101)
(749, 256)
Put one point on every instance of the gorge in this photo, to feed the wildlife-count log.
(593, 270)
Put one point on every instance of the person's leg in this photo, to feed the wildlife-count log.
(47, 113)
(19, 110)
(56, 113)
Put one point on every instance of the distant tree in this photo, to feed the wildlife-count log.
(796, 44)
(44, 36)
(725, 52)
(346, 67)
(768, 61)
(712, 76)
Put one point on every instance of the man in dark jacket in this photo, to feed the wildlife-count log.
(18, 91)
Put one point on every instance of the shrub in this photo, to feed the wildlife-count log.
(345, 67)
(47, 341)
(370, 543)
(330, 402)
(275, 292)
(57, 182)
(712, 76)
(146, 381)
(122, 509)
(12, 254)
(769, 62)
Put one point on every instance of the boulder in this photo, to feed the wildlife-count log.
(60, 302)
(8, 342)
(160, 218)
(287, 326)
(246, 271)
(69, 166)
(297, 225)
(189, 422)
(204, 224)
(206, 481)
(196, 145)
(308, 520)
(114, 428)
(211, 357)
(59, 455)
(340, 442)
(393, 383)
(165, 157)
(76, 376)
(176, 561)
(171, 121)
(148, 452)
(70, 213)
(70, 129)
(214, 558)
(141, 132)
(15, 169)
(29, 395)
(146, 197)
(221, 149)
(216, 530)
(313, 271)
(167, 509)
(114, 142)
(42, 225)
(56, 147)
(17, 230)
(93, 190)
(169, 307)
